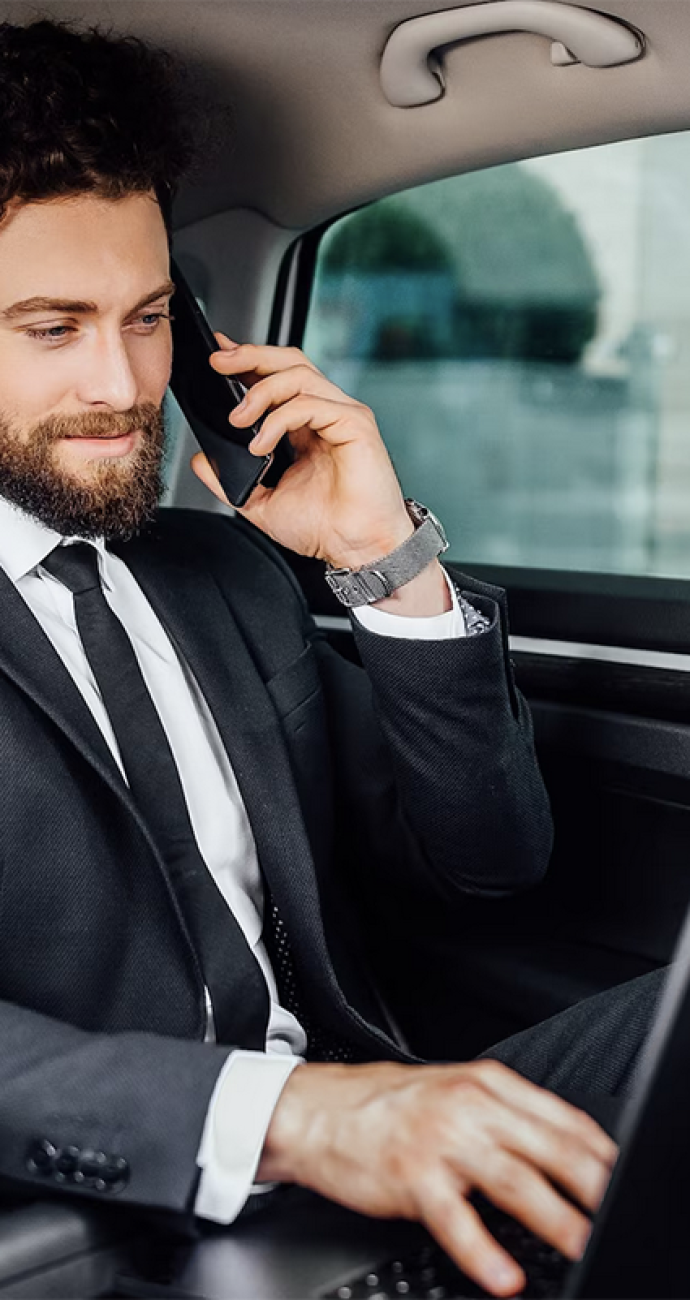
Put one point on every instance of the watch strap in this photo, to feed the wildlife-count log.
(375, 581)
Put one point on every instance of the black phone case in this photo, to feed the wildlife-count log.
(207, 398)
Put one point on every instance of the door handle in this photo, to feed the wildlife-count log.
(411, 72)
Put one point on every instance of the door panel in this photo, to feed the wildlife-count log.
(611, 905)
(528, 364)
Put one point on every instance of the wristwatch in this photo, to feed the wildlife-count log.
(382, 577)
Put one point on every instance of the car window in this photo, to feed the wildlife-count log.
(523, 334)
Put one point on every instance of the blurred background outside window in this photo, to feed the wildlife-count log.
(523, 335)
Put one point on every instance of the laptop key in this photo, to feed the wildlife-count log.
(428, 1274)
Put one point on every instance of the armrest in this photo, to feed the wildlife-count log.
(48, 1248)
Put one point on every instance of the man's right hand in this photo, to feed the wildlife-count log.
(401, 1141)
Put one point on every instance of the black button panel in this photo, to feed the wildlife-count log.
(81, 1167)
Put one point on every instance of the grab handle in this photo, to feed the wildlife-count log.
(411, 72)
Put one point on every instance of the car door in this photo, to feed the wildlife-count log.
(520, 333)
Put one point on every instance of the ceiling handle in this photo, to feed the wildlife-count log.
(411, 72)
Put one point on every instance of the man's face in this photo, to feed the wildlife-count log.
(85, 355)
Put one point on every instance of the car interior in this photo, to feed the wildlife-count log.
(476, 219)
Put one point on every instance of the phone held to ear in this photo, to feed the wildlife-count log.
(207, 398)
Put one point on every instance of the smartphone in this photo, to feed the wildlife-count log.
(207, 398)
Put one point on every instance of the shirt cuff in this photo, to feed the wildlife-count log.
(437, 627)
(239, 1113)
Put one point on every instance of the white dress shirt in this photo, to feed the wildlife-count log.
(250, 1083)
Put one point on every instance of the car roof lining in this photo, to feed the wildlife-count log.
(313, 133)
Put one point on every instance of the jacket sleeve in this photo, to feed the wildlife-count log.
(438, 790)
(459, 737)
(115, 1117)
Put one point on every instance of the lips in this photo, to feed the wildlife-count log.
(99, 437)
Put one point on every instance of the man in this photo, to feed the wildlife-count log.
(207, 816)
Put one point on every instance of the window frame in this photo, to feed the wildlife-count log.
(584, 607)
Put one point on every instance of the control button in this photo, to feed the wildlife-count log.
(115, 1170)
(91, 1162)
(40, 1156)
(67, 1160)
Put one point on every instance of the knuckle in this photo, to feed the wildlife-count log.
(491, 1071)
(435, 1203)
(400, 1166)
(571, 1152)
(468, 1093)
(505, 1181)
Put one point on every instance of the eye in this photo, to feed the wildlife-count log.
(49, 333)
(150, 320)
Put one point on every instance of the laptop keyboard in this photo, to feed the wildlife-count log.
(428, 1274)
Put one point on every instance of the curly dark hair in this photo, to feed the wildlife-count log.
(89, 111)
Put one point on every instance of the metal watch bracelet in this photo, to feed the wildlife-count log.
(375, 581)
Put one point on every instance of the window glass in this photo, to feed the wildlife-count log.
(523, 335)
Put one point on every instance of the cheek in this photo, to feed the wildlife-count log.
(151, 361)
(31, 386)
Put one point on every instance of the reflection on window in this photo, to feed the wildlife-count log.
(523, 335)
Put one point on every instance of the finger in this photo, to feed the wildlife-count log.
(276, 389)
(252, 508)
(258, 359)
(334, 422)
(227, 347)
(560, 1152)
(461, 1233)
(205, 472)
(513, 1089)
(523, 1192)
(564, 1159)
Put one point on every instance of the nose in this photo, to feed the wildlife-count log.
(106, 376)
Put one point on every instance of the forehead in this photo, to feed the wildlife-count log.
(106, 250)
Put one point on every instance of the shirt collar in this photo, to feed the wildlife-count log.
(25, 542)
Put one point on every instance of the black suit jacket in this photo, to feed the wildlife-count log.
(372, 796)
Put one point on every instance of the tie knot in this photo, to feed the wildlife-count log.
(76, 566)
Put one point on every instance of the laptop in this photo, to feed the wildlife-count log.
(301, 1247)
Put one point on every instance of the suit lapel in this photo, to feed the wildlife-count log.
(29, 659)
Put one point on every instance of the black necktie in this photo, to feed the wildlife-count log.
(237, 989)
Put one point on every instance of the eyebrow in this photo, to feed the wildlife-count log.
(74, 306)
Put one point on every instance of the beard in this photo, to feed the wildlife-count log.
(119, 496)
